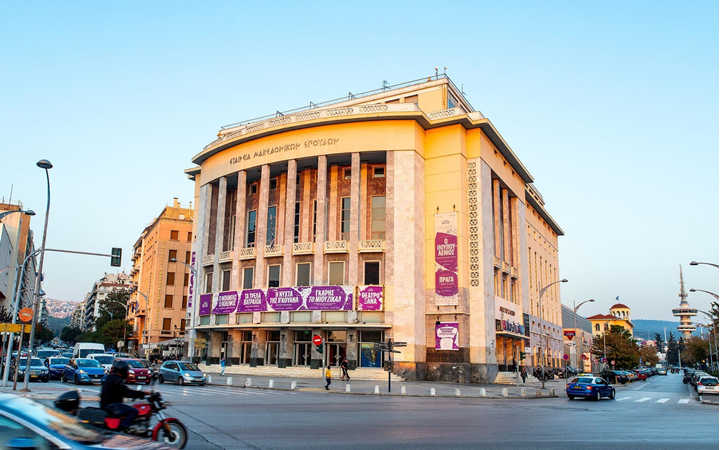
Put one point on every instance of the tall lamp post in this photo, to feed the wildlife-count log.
(697, 263)
(46, 165)
(575, 310)
(707, 292)
(540, 296)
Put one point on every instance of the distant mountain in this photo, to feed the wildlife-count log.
(56, 325)
(646, 329)
(60, 308)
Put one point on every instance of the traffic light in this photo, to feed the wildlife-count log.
(522, 356)
(116, 257)
(319, 348)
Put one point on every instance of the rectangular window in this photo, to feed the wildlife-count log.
(226, 280)
(174, 235)
(248, 274)
(452, 102)
(167, 324)
(170, 279)
(303, 277)
(274, 276)
(379, 172)
(250, 235)
(296, 230)
(184, 302)
(345, 219)
(271, 222)
(314, 225)
(347, 173)
(372, 272)
(411, 99)
(377, 224)
(182, 324)
(187, 257)
(253, 189)
(189, 236)
(208, 282)
(168, 301)
(172, 256)
(336, 271)
(273, 184)
(186, 278)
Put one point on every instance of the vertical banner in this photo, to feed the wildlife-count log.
(192, 280)
(446, 336)
(446, 259)
(205, 304)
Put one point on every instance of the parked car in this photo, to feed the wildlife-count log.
(38, 371)
(45, 353)
(56, 366)
(105, 360)
(84, 370)
(138, 373)
(181, 372)
(687, 375)
(589, 387)
(707, 385)
(620, 376)
(696, 376)
(662, 371)
(67, 354)
(28, 424)
(640, 374)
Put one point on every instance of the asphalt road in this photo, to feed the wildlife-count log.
(658, 413)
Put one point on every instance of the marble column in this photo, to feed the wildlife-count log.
(257, 351)
(287, 344)
(354, 219)
(219, 232)
(261, 227)
(496, 215)
(507, 245)
(240, 215)
(319, 277)
(353, 336)
(289, 234)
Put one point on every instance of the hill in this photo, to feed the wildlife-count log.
(57, 324)
(646, 328)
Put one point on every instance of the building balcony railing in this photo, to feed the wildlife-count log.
(226, 256)
(371, 245)
(207, 260)
(445, 113)
(303, 248)
(273, 250)
(336, 247)
(246, 253)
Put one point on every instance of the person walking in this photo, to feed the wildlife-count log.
(344, 366)
(523, 373)
(222, 366)
(328, 377)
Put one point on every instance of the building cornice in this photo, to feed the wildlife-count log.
(544, 214)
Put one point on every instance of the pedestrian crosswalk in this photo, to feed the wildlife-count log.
(662, 400)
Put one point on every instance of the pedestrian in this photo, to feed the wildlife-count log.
(523, 373)
(344, 366)
(222, 366)
(328, 378)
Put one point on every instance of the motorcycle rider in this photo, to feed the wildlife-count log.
(113, 393)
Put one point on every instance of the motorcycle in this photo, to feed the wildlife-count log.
(167, 430)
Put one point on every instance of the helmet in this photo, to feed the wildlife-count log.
(121, 368)
(68, 402)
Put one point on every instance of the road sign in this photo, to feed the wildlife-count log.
(399, 344)
(13, 327)
(612, 362)
(25, 314)
(317, 340)
(569, 334)
(566, 357)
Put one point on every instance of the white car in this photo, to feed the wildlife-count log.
(105, 359)
(707, 385)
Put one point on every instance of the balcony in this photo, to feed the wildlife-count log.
(208, 260)
(303, 248)
(371, 246)
(226, 256)
(335, 247)
(246, 253)
(273, 250)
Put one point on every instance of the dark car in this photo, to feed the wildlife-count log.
(138, 373)
(619, 376)
(38, 371)
(57, 366)
(84, 371)
(589, 387)
(27, 424)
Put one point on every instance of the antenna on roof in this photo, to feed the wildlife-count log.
(385, 84)
(350, 95)
(278, 113)
(436, 73)
(312, 105)
(445, 70)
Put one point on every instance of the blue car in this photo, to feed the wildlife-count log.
(589, 387)
(28, 424)
(57, 366)
(84, 371)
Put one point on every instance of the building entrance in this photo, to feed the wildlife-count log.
(302, 353)
(335, 353)
(271, 353)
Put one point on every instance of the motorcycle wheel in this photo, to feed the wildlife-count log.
(161, 380)
(177, 437)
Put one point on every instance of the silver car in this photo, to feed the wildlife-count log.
(181, 372)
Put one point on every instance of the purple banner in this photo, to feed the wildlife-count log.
(252, 300)
(446, 336)
(329, 298)
(227, 303)
(370, 298)
(446, 283)
(284, 299)
(192, 280)
(446, 251)
(205, 304)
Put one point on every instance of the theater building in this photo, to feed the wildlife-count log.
(398, 213)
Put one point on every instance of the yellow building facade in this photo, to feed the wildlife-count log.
(399, 214)
(619, 316)
(161, 275)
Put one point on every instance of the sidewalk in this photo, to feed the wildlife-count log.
(399, 388)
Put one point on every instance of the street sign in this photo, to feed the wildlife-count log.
(25, 314)
(612, 362)
(13, 327)
(569, 334)
(317, 340)
(566, 357)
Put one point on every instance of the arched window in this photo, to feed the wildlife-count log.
(597, 327)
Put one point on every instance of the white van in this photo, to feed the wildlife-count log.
(105, 359)
(83, 349)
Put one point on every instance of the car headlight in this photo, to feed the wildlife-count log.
(186, 375)
(81, 372)
(132, 372)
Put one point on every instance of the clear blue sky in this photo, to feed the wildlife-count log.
(611, 105)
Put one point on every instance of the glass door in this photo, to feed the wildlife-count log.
(335, 354)
(302, 353)
(271, 353)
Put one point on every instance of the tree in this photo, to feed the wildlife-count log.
(69, 334)
(648, 354)
(112, 307)
(659, 343)
(43, 333)
(695, 351)
(113, 331)
(618, 345)
(673, 350)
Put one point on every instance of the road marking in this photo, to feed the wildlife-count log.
(624, 398)
(684, 401)
(644, 399)
(663, 400)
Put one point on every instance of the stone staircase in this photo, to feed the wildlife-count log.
(513, 378)
(361, 373)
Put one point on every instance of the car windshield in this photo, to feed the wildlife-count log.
(104, 359)
(709, 381)
(64, 425)
(47, 353)
(135, 364)
(34, 362)
(59, 361)
(87, 363)
(585, 380)
(189, 366)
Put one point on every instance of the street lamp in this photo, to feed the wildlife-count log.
(707, 292)
(696, 263)
(45, 165)
(29, 212)
(540, 296)
(575, 310)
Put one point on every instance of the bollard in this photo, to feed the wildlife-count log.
(483, 392)
(504, 392)
(209, 379)
(552, 392)
(538, 393)
(228, 380)
(377, 389)
(403, 390)
(248, 382)
(347, 387)
(523, 392)
(457, 392)
(432, 392)
(293, 385)
(271, 383)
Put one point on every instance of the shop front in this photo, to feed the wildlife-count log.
(510, 336)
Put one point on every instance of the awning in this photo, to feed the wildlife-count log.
(511, 335)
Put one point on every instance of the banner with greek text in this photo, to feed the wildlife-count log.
(446, 259)
(205, 304)
(370, 298)
(252, 300)
(300, 298)
(446, 336)
(227, 303)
